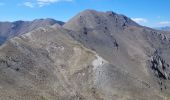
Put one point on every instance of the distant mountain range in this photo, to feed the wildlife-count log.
(12, 29)
(94, 56)
(166, 28)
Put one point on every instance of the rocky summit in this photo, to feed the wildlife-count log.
(94, 56)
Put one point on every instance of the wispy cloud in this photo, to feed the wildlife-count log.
(41, 3)
(48, 2)
(166, 23)
(140, 20)
(29, 4)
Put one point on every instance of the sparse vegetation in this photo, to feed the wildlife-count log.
(79, 60)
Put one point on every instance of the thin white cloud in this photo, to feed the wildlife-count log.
(47, 2)
(164, 23)
(29, 4)
(140, 20)
(41, 3)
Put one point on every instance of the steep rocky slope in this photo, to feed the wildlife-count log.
(46, 64)
(94, 56)
(140, 51)
(12, 29)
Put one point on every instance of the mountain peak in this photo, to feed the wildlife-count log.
(95, 56)
(111, 13)
(89, 10)
(95, 19)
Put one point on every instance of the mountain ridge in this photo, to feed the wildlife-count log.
(93, 56)
(12, 29)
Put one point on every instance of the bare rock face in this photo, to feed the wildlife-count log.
(160, 67)
(128, 46)
(94, 56)
(12, 29)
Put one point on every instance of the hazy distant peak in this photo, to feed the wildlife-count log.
(166, 28)
(49, 20)
(12, 29)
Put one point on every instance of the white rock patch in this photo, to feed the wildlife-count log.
(99, 61)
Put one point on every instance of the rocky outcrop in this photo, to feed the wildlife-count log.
(160, 67)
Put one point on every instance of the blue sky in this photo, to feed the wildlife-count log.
(152, 13)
